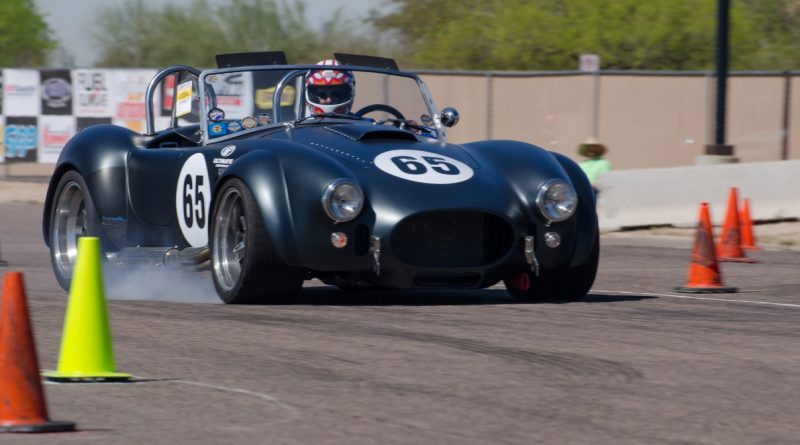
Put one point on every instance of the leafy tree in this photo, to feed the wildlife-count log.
(627, 34)
(135, 35)
(24, 35)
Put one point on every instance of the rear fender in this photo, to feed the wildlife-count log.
(99, 154)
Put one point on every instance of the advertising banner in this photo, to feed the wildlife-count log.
(21, 92)
(234, 93)
(54, 132)
(90, 92)
(128, 94)
(86, 122)
(20, 139)
(56, 92)
(2, 139)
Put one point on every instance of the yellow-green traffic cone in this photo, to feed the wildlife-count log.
(86, 352)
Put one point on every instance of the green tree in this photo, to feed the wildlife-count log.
(136, 35)
(24, 35)
(627, 34)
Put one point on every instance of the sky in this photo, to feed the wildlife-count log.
(71, 20)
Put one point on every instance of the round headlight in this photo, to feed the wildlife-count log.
(557, 200)
(342, 200)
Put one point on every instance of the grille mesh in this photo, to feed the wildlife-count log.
(459, 238)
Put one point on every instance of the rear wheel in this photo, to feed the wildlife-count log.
(558, 286)
(72, 215)
(245, 267)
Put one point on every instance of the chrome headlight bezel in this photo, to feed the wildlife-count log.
(546, 203)
(333, 205)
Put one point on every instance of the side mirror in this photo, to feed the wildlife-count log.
(449, 117)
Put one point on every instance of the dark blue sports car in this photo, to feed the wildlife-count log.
(270, 174)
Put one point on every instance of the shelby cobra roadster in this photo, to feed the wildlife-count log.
(268, 174)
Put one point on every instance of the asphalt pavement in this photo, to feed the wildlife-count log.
(633, 363)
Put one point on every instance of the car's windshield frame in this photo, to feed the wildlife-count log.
(207, 102)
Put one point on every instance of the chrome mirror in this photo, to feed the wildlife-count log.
(449, 117)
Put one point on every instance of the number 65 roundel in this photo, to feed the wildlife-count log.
(192, 200)
(423, 166)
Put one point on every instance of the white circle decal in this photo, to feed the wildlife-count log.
(192, 200)
(423, 166)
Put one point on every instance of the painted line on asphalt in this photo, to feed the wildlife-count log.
(688, 297)
(294, 412)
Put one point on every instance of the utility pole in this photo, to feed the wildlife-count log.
(719, 151)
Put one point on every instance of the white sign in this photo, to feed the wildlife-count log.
(21, 89)
(54, 132)
(233, 92)
(589, 63)
(127, 97)
(192, 200)
(183, 105)
(90, 89)
(423, 166)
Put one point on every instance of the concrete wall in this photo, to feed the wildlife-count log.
(647, 121)
(672, 196)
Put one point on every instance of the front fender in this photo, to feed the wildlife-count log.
(587, 210)
(263, 173)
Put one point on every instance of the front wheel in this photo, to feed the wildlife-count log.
(245, 267)
(557, 286)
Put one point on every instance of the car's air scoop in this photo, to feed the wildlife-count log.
(371, 132)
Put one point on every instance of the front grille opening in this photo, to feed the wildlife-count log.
(447, 279)
(457, 238)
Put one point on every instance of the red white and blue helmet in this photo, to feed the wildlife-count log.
(329, 90)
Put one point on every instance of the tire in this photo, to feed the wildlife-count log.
(245, 267)
(72, 215)
(559, 286)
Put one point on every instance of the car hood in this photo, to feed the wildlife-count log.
(403, 173)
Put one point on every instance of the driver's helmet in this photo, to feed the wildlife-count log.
(329, 90)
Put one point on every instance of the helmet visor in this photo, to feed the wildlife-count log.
(330, 94)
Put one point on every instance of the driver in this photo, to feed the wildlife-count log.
(329, 90)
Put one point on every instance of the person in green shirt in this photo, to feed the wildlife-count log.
(595, 163)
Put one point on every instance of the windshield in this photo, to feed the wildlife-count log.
(243, 99)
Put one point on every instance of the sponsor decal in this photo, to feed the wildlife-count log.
(217, 130)
(249, 122)
(91, 93)
(167, 92)
(20, 139)
(423, 166)
(54, 132)
(192, 200)
(227, 150)
(21, 93)
(86, 122)
(56, 92)
(2, 144)
(264, 97)
(222, 161)
(233, 93)
(183, 104)
(234, 127)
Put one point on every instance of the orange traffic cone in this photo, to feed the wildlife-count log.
(704, 275)
(22, 404)
(730, 241)
(748, 238)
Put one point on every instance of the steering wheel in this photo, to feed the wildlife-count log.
(380, 107)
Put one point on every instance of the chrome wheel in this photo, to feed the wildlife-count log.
(69, 222)
(229, 239)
